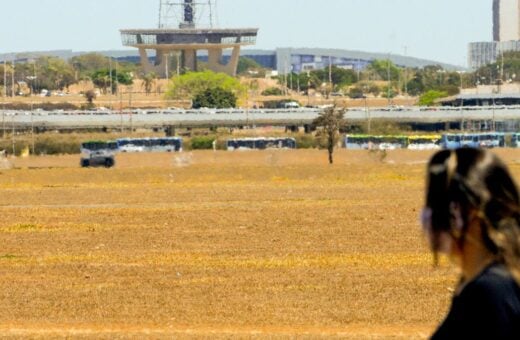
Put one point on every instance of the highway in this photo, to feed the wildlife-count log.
(149, 119)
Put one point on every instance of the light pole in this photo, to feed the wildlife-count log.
(367, 113)
(461, 101)
(388, 79)
(4, 99)
(130, 88)
(32, 130)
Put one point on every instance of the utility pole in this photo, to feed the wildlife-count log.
(32, 130)
(121, 108)
(178, 64)
(388, 79)
(167, 65)
(12, 80)
(210, 14)
(330, 74)
(12, 135)
(130, 108)
(4, 99)
(405, 73)
(110, 75)
(111, 80)
(501, 70)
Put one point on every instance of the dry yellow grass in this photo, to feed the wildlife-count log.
(218, 245)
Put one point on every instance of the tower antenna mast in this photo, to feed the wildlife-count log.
(185, 13)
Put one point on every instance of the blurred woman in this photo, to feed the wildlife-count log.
(472, 214)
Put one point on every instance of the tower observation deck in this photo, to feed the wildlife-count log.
(182, 37)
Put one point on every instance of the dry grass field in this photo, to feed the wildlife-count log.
(272, 244)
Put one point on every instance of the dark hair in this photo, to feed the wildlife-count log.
(475, 180)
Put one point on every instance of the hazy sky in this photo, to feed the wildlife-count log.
(432, 29)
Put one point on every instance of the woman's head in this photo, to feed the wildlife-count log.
(468, 185)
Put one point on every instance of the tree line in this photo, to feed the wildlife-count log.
(56, 74)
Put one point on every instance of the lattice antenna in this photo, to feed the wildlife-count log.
(185, 13)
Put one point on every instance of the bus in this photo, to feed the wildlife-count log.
(451, 141)
(424, 142)
(492, 140)
(166, 144)
(515, 140)
(474, 140)
(132, 144)
(261, 143)
(93, 146)
(367, 142)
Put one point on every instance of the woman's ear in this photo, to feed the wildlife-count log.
(456, 214)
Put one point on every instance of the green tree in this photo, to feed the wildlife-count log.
(86, 64)
(189, 85)
(429, 98)
(247, 64)
(331, 120)
(51, 73)
(415, 86)
(384, 68)
(104, 78)
(505, 69)
(216, 98)
(340, 77)
(388, 92)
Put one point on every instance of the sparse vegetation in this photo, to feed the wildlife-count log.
(228, 244)
(272, 91)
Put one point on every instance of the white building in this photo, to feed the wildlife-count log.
(506, 20)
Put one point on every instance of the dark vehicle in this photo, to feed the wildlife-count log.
(98, 159)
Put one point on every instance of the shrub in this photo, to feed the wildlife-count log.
(272, 91)
(355, 92)
(202, 143)
(429, 98)
(217, 98)
(306, 141)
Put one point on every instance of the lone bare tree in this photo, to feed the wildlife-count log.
(149, 80)
(90, 95)
(331, 120)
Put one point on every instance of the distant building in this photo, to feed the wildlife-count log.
(506, 35)
(282, 60)
(286, 60)
(307, 59)
(506, 20)
(484, 53)
(486, 95)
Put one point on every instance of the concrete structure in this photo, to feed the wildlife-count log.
(435, 118)
(184, 42)
(486, 95)
(506, 20)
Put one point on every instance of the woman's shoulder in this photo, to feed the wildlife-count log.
(494, 284)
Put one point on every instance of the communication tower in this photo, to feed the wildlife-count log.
(186, 14)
